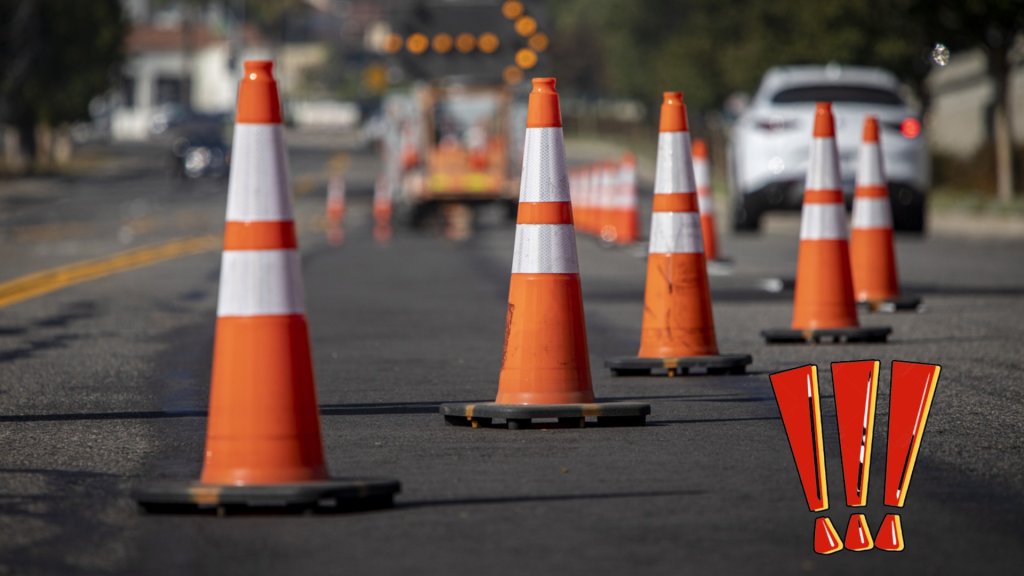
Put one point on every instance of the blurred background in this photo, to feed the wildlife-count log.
(80, 76)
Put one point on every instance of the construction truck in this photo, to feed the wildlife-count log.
(456, 150)
(457, 128)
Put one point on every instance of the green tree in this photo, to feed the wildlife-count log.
(56, 56)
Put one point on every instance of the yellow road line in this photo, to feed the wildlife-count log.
(39, 283)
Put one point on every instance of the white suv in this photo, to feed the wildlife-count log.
(768, 148)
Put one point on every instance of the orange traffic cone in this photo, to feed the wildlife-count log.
(620, 203)
(545, 370)
(705, 200)
(263, 446)
(336, 208)
(590, 182)
(678, 332)
(382, 209)
(823, 305)
(871, 241)
(607, 231)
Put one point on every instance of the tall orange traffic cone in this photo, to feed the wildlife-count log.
(545, 370)
(263, 445)
(823, 305)
(705, 200)
(678, 332)
(871, 241)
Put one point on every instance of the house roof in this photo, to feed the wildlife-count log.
(150, 38)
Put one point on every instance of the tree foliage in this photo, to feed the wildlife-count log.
(55, 56)
(712, 48)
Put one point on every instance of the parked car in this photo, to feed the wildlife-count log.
(199, 148)
(769, 143)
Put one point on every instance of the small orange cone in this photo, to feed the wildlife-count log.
(871, 240)
(593, 181)
(382, 210)
(336, 208)
(678, 332)
(705, 200)
(606, 229)
(545, 370)
(621, 210)
(263, 445)
(823, 305)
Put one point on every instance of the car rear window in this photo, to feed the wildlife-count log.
(858, 94)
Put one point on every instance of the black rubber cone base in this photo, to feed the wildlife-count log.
(834, 335)
(334, 495)
(519, 416)
(897, 304)
(719, 364)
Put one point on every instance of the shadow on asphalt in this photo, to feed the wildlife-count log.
(710, 420)
(325, 410)
(545, 498)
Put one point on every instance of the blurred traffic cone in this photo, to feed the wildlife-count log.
(823, 305)
(263, 445)
(590, 180)
(606, 229)
(382, 209)
(620, 216)
(871, 240)
(336, 208)
(705, 200)
(545, 370)
(678, 332)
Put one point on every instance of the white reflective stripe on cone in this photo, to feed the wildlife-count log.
(706, 203)
(676, 233)
(258, 185)
(869, 165)
(260, 283)
(823, 222)
(545, 249)
(544, 178)
(701, 172)
(872, 213)
(823, 165)
(674, 170)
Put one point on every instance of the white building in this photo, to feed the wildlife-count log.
(159, 80)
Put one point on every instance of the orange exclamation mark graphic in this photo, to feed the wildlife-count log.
(796, 393)
(856, 388)
(910, 398)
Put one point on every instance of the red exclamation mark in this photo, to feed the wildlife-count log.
(910, 398)
(856, 387)
(796, 392)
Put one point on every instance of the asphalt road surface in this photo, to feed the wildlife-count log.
(104, 384)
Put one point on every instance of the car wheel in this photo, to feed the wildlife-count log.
(746, 215)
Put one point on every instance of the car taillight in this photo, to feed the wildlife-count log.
(773, 124)
(910, 127)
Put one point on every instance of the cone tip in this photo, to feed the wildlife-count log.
(544, 85)
(257, 67)
(824, 125)
(673, 112)
(543, 110)
(672, 97)
(700, 149)
(871, 129)
(258, 101)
